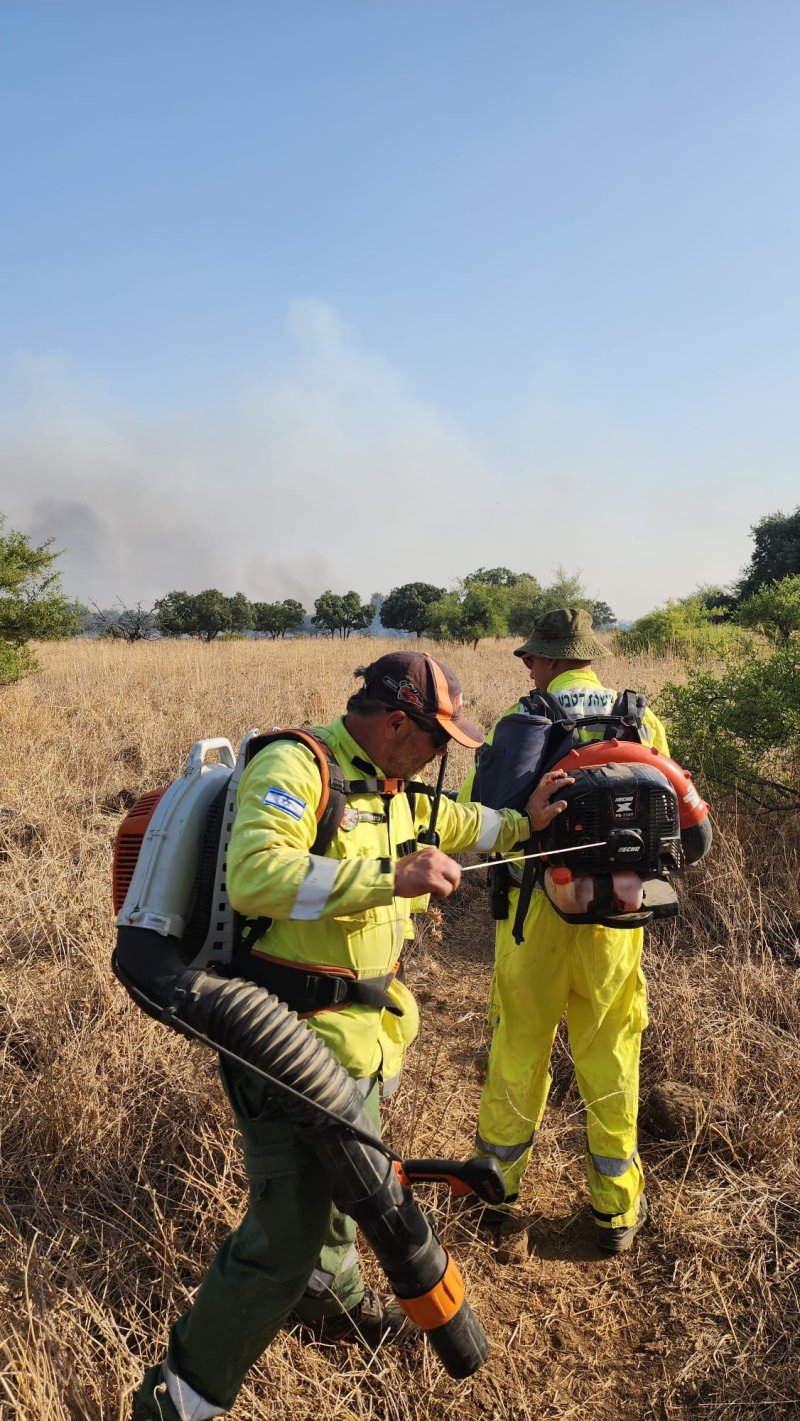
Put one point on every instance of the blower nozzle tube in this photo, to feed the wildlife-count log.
(238, 1017)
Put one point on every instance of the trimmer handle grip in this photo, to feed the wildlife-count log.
(479, 1175)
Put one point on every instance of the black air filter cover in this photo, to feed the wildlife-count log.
(632, 808)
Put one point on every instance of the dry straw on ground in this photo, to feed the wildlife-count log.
(121, 1171)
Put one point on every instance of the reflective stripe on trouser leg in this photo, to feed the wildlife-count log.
(620, 1192)
(504, 1154)
(529, 992)
(189, 1405)
(512, 1159)
(612, 1168)
(336, 1262)
(606, 1014)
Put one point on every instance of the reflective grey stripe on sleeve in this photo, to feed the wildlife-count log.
(491, 822)
(390, 1086)
(509, 1154)
(188, 1403)
(610, 1167)
(315, 890)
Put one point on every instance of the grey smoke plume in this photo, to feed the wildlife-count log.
(326, 472)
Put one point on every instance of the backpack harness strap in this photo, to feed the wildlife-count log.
(628, 712)
(526, 887)
(311, 989)
(500, 880)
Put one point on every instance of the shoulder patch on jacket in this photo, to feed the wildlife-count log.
(286, 802)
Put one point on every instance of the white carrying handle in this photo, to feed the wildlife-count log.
(201, 748)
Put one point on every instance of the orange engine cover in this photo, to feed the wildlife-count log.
(692, 808)
(128, 842)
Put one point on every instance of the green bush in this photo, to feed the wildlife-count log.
(740, 730)
(32, 605)
(15, 661)
(774, 608)
(687, 628)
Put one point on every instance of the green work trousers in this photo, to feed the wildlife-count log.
(293, 1251)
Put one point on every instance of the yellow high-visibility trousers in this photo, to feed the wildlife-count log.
(595, 974)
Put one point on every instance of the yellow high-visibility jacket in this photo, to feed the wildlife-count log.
(581, 693)
(340, 910)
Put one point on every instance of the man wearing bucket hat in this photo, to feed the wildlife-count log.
(337, 923)
(592, 972)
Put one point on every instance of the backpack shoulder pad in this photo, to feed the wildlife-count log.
(333, 796)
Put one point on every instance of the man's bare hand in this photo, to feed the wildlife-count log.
(541, 807)
(426, 871)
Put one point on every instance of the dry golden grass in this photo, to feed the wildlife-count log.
(121, 1172)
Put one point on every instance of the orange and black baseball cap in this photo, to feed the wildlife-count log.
(424, 689)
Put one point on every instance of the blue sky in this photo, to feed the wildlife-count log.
(345, 294)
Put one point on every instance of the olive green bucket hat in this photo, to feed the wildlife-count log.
(564, 634)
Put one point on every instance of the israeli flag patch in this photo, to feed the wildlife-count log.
(286, 802)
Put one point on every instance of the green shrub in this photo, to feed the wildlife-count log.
(740, 730)
(774, 608)
(32, 605)
(688, 628)
(15, 661)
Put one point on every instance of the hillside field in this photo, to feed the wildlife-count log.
(121, 1171)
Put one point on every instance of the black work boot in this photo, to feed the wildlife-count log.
(152, 1401)
(620, 1240)
(373, 1320)
(496, 1218)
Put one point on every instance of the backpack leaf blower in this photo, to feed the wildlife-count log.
(650, 821)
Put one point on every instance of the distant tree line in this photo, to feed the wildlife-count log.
(490, 602)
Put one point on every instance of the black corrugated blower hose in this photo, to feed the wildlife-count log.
(367, 1180)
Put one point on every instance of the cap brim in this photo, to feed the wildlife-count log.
(462, 730)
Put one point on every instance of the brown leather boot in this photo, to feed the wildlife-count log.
(373, 1320)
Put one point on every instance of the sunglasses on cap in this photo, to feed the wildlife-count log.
(437, 733)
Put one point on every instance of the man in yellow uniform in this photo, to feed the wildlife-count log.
(338, 923)
(593, 972)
